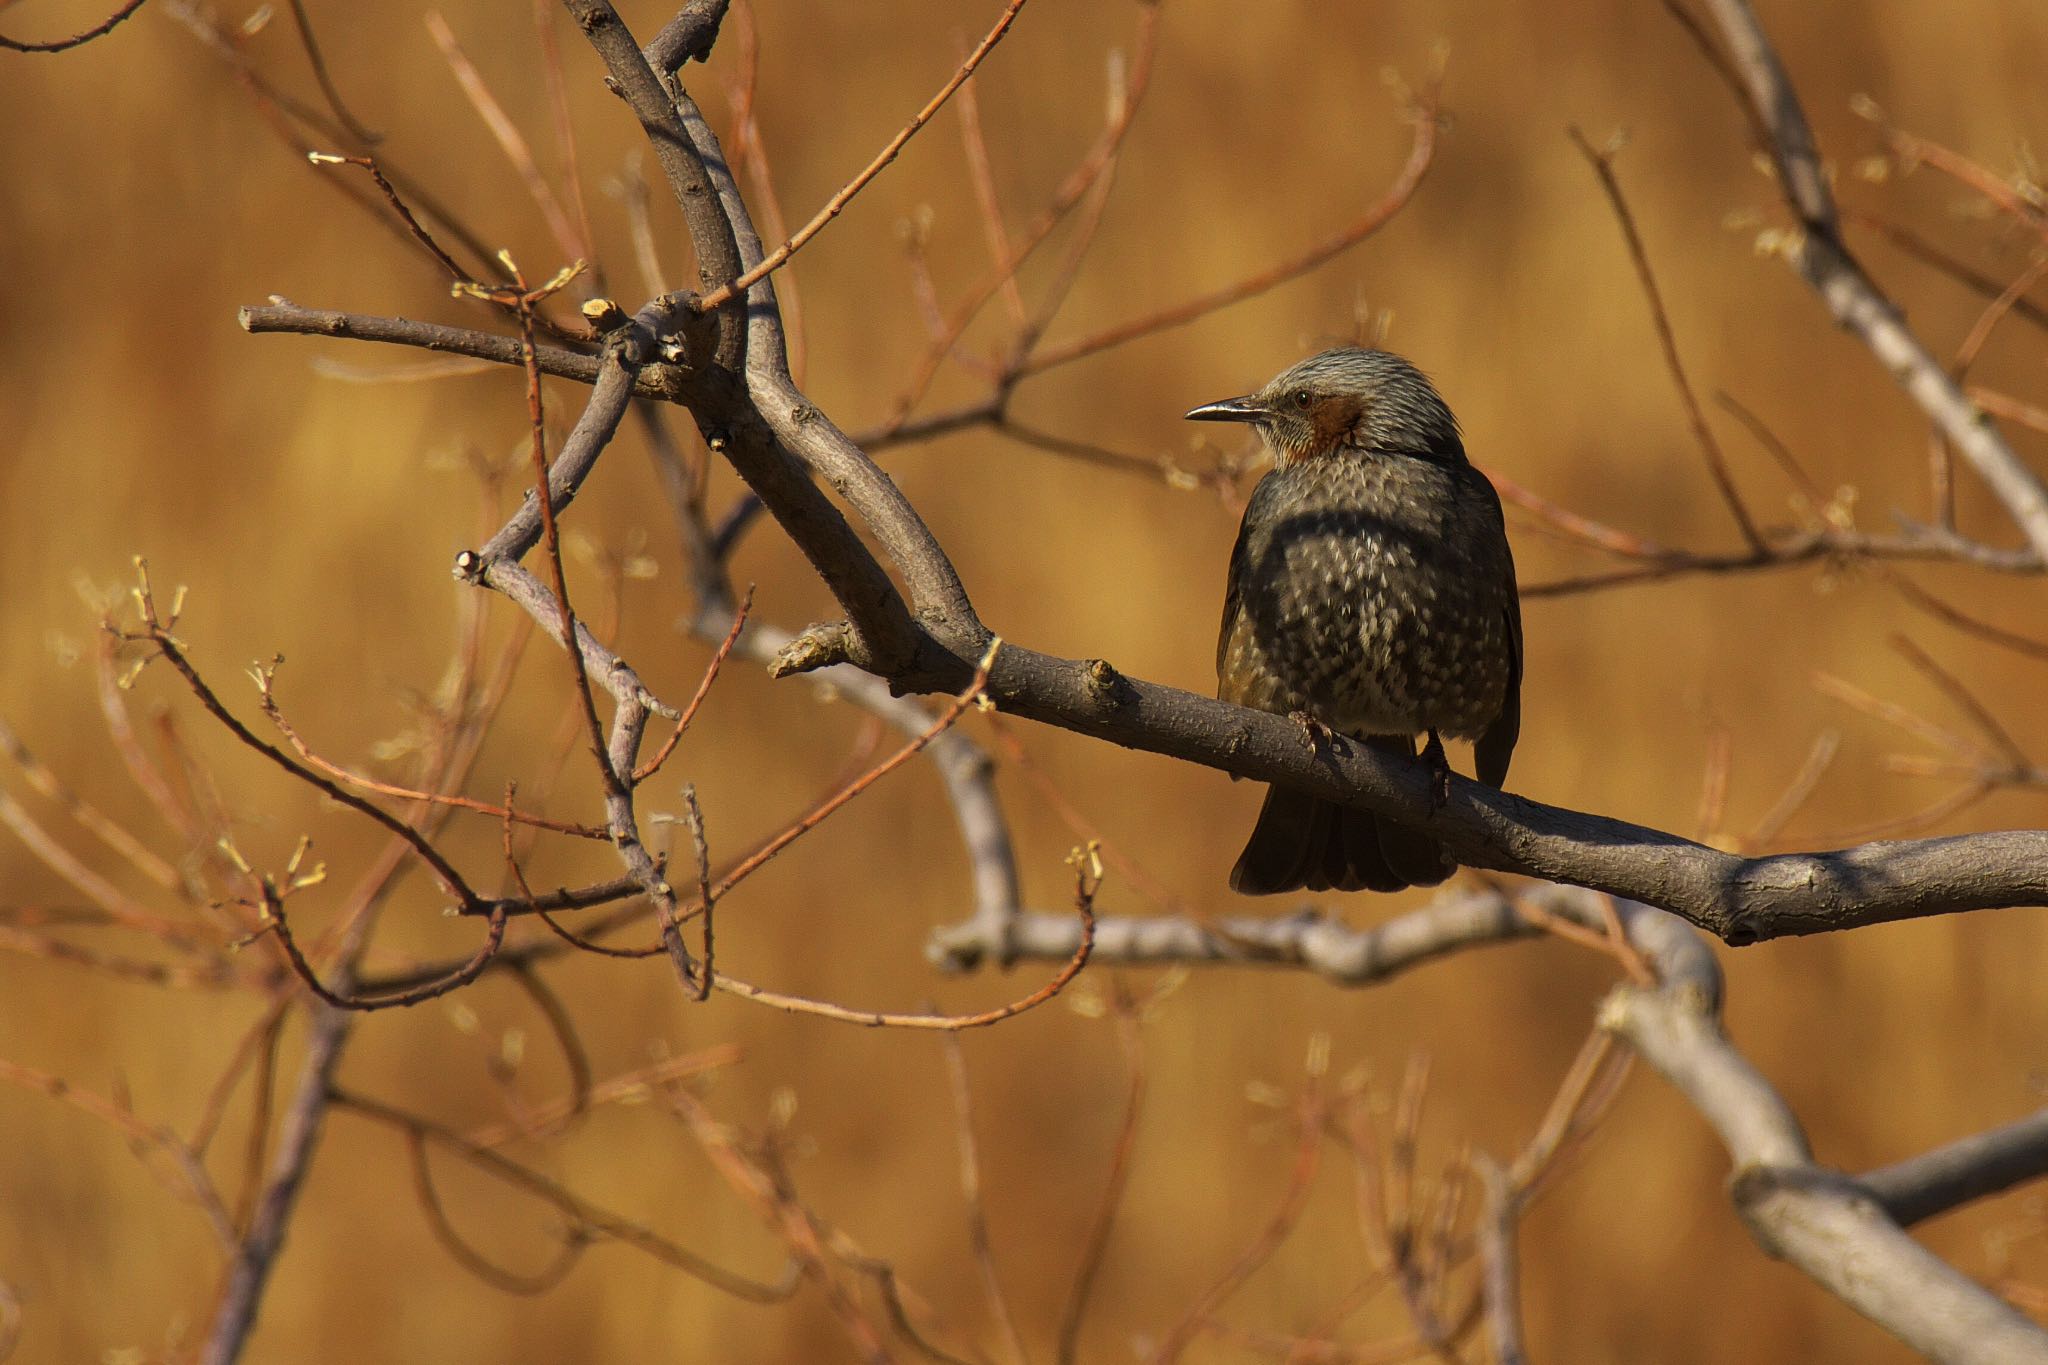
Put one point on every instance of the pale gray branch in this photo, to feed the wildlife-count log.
(1856, 302)
(1500, 1274)
(1969, 1168)
(1829, 1225)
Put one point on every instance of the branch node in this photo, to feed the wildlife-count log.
(1105, 684)
(818, 646)
(605, 315)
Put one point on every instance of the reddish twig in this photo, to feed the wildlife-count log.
(718, 658)
(86, 815)
(768, 1191)
(157, 633)
(275, 923)
(510, 140)
(1983, 630)
(941, 1023)
(774, 260)
(588, 1218)
(981, 175)
(1080, 182)
(1308, 1119)
(978, 1240)
(265, 679)
(192, 1180)
(2010, 408)
(1095, 1246)
(1421, 152)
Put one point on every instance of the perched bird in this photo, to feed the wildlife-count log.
(1372, 594)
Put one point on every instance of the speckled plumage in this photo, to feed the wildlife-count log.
(1372, 589)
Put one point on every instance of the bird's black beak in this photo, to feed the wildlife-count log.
(1247, 409)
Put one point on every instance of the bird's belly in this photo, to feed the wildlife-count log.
(1370, 641)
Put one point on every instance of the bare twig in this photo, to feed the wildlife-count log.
(978, 1240)
(773, 261)
(1602, 162)
(100, 29)
(1856, 303)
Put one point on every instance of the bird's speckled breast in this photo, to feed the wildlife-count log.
(1371, 592)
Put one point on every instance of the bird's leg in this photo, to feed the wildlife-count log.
(1439, 765)
(1313, 731)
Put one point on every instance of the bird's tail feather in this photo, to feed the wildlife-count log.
(1302, 842)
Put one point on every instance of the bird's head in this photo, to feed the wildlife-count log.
(1346, 399)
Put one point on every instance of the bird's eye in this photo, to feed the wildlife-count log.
(1302, 399)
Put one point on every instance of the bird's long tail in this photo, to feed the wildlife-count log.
(1303, 842)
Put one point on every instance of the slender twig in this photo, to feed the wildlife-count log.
(100, 29)
(192, 1179)
(1407, 180)
(318, 60)
(718, 657)
(694, 818)
(158, 635)
(978, 1239)
(588, 1217)
(774, 260)
(573, 243)
(1308, 1118)
(1602, 162)
(938, 1023)
(1095, 1246)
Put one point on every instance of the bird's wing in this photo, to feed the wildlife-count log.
(1233, 606)
(1497, 745)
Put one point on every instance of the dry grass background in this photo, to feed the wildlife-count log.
(143, 201)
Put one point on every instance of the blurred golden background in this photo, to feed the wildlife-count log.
(146, 199)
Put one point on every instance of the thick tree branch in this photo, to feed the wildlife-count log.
(1740, 900)
(687, 37)
(649, 98)
(936, 593)
(1824, 1222)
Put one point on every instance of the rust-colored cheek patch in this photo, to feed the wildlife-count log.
(1332, 421)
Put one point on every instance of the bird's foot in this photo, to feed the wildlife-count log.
(1439, 765)
(1313, 732)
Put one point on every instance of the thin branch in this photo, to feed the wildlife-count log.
(978, 1240)
(318, 61)
(1854, 300)
(157, 634)
(589, 1218)
(1406, 181)
(1602, 162)
(1095, 1247)
(235, 1315)
(1308, 1119)
(98, 30)
(506, 134)
(774, 260)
